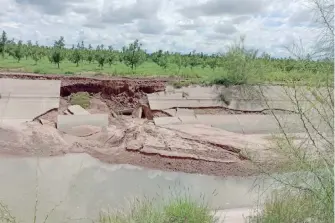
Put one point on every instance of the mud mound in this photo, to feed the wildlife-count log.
(32, 139)
(131, 141)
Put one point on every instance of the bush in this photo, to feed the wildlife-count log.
(80, 98)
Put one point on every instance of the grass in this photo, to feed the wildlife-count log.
(230, 73)
(80, 98)
(177, 210)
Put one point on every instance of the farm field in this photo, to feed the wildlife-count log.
(238, 65)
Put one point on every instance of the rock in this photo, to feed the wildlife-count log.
(77, 110)
(83, 130)
(137, 113)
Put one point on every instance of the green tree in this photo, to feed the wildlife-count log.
(3, 42)
(60, 43)
(76, 57)
(18, 51)
(90, 56)
(178, 60)
(194, 60)
(161, 59)
(111, 57)
(133, 55)
(56, 56)
(36, 53)
(100, 57)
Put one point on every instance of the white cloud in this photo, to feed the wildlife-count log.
(201, 25)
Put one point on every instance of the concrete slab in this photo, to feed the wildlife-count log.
(245, 124)
(27, 99)
(65, 123)
(183, 103)
(185, 112)
(26, 108)
(166, 120)
(30, 88)
(165, 96)
(171, 112)
(248, 98)
(77, 110)
(189, 120)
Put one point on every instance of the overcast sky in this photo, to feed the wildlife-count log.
(175, 25)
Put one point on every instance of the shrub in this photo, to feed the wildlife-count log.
(80, 98)
(178, 210)
(68, 72)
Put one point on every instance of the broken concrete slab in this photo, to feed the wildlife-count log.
(66, 122)
(28, 99)
(171, 112)
(243, 98)
(189, 119)
(166, 120)
(184, 112)
(245, 124)
(26, 108)
(183, 103)
(77, 110)
(30, 88)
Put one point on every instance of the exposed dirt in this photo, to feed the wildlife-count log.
(126, 140)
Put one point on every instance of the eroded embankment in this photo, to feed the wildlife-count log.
(127, 140)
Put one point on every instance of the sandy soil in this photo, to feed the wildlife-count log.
(130, 140)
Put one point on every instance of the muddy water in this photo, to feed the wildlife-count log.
(80, 186)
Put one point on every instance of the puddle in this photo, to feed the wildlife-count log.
(81, 186)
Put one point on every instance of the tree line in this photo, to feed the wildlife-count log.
(133, 55)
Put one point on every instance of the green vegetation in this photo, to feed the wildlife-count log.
(238, 65)
(80, 98)
(306, 198)
(178, 210)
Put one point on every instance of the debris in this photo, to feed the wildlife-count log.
(137, 113)
(77, 110)
(147, 112)
(113, 113)
(125, 112)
